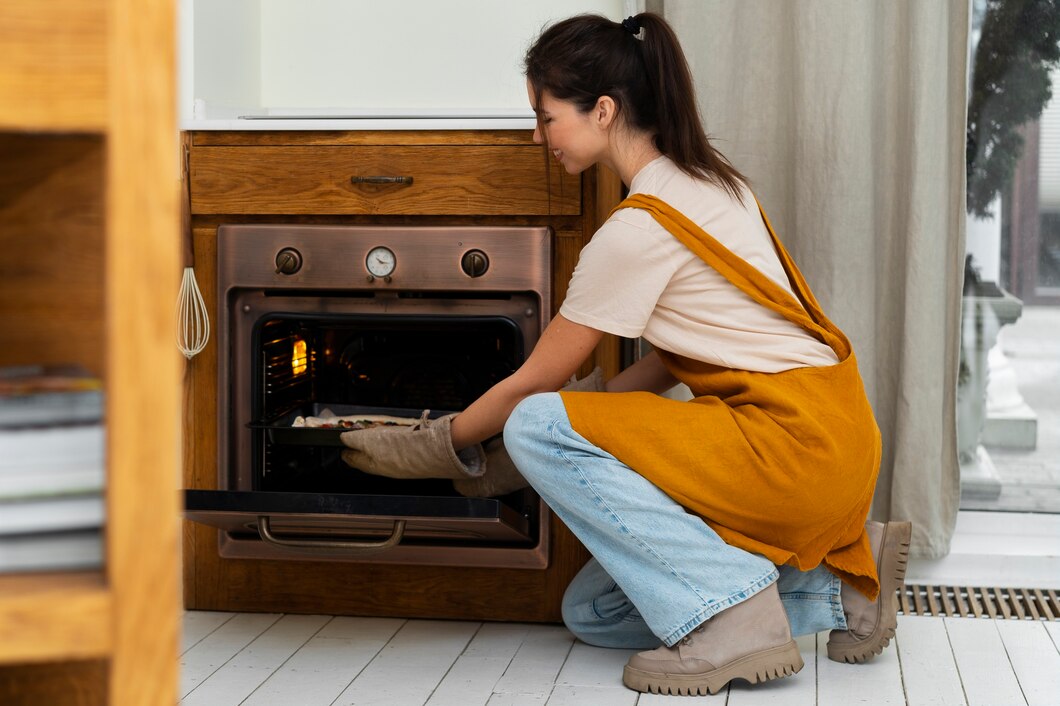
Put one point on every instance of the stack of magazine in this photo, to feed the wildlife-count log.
(52, 469)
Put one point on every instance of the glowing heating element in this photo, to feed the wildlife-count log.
(299, 357)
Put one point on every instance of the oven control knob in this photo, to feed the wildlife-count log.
(474, 263)
(288, 261)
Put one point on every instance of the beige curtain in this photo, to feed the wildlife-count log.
(849, 120)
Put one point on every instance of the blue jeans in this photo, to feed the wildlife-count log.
(658, 571)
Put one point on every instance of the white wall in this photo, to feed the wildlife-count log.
(404, 57)
(227, 52)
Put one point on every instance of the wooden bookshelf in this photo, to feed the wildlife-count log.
(54, 73)
(89, 225)
(54, 617)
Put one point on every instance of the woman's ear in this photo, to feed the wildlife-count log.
(604, 112)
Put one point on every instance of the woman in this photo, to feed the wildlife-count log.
(723, 525)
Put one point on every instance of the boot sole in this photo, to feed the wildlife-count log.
(893, 565)
(774, 663)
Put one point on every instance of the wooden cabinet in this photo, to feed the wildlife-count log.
(381, 180)
(89, 224)
(495, 178)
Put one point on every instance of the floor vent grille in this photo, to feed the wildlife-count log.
(977, 602)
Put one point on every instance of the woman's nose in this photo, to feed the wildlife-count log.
(537, 134)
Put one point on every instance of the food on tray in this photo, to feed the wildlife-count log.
(329, 420)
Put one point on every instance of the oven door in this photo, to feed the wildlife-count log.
(283, 489)
(379, 528)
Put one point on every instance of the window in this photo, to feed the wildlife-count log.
(1009, 386)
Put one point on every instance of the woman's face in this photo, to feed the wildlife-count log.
(576, 139)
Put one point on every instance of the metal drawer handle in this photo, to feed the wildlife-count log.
(406, 180)
(265, 530)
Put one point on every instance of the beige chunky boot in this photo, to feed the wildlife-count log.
(750, 640)
(871, 624)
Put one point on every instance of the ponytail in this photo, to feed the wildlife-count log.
(640, 65)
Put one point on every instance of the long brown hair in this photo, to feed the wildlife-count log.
(640, 65)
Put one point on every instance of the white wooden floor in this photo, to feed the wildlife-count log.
(300, 660)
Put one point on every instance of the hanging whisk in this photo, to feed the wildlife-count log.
(193, 321)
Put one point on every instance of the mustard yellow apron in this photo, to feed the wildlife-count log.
(780, 464)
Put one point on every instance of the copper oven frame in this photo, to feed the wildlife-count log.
(520, 261)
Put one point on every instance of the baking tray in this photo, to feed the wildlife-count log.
(280, 431)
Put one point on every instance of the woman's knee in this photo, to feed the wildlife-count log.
(579, 614)
(597, 612)
(528, 436)
(531, 418)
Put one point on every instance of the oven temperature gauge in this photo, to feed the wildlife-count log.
(381, 262)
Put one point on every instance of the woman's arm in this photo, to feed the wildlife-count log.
(563, 347)
(648, 374)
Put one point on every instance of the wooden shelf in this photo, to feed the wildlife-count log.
(54, 73)
(89, 211)
(54, 617)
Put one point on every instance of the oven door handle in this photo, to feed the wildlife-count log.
(349, 546)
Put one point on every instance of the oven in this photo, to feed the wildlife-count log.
(321, 320)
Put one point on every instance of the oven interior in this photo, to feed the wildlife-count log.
(395, 364)
(369, 363)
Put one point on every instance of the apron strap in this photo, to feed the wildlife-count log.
(804, 311)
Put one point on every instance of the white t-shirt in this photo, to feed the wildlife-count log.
(635, 279)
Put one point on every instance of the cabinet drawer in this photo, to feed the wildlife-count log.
(465, 180)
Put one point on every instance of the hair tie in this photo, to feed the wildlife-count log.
(631, 25)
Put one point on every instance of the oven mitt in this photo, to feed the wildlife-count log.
(424, 450)
(501, 476)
